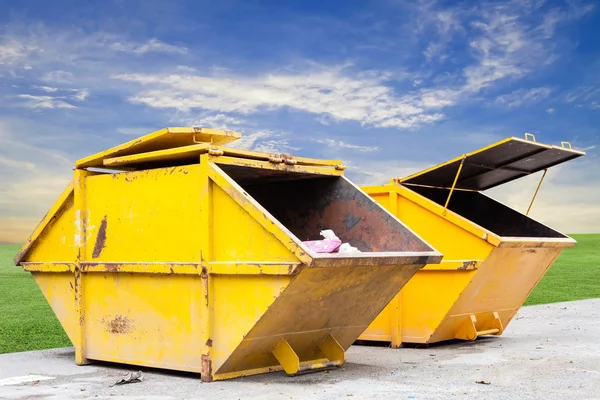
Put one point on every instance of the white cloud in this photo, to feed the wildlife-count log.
(43, 101)
(13, 52)
(509, 44)
(364, 98)
(80, 94)
(36, 46)
(595, 105)
(550, 110)
(266, 141)
(582, 94)
(343, 145)
(215, 121)
(434, 50)
(45, 88)
(520, 97)
(378, 172)
(152, 45)
(58, 77)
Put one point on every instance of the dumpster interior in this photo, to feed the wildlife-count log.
(306, 204)
(488, 213)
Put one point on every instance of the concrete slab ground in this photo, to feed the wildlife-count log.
(548, 352)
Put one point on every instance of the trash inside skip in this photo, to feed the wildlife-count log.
(331, 244)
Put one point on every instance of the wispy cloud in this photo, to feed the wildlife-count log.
(446, 23)
(364, 98)
(13, 51)
(39, 46)
(215, 121)
(48, 89)
(582, 94)
(343, 145)
(521, 97)
(43, 101)
(506, 41)
(153, 45)
(584, 97)
(378, 172)
(80, 94)
(57, 77)
(264, 140)
(550, 110)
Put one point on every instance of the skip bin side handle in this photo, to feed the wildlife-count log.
(530, 135)
(565, 144)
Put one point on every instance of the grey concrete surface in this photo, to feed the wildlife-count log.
(547, 352)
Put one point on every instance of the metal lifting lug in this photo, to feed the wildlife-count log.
(215, 151)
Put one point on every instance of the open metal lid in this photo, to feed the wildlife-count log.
(494, 165)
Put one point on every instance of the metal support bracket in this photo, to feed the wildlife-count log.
(462, 162)
(287, 357)
(289, 360)
(213, 151)
(536, 192)
(468, 331)
(332, 350)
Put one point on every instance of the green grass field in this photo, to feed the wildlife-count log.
(27, 322)
(574, 276)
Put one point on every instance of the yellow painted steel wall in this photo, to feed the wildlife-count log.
(449, 300)
(178, 268)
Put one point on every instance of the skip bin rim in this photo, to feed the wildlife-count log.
(443, 175)
(468, 225)
(318, 260)
(326, 260)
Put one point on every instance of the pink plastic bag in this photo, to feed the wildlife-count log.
(324, 246)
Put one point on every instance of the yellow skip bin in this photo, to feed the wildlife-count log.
(175, 252)
(494, 256)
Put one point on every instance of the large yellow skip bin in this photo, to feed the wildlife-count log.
(494, 256)
(172, 251)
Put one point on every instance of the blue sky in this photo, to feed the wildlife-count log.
(390, 87)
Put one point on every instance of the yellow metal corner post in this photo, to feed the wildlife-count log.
(396, 304)
(205, 227)
(80, 242)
